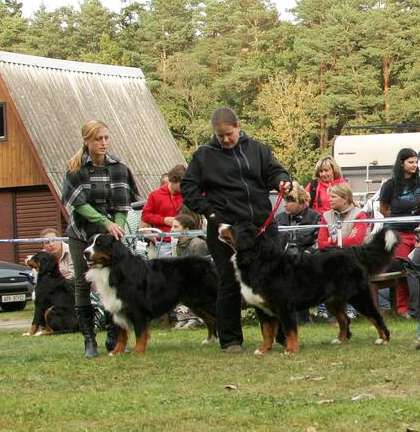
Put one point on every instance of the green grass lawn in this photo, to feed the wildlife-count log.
(180, 385)
(25, 314)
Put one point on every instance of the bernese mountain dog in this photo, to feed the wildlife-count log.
(54, 298)
(136, 291)
(280, 284)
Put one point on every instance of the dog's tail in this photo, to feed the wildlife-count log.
(377, 253)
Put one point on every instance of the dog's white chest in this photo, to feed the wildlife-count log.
(247, 292)
(100, 278)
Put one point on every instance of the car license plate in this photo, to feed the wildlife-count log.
(13, 298)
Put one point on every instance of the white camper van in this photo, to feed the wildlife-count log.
(366, 160)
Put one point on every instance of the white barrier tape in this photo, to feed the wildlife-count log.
(140, 235)
(388, 220)
(146, 233)
(33, 240)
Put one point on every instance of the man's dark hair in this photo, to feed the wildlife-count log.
(224, 115)
(176, 173)
(186, 221)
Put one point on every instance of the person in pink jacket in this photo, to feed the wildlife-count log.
(327, 173)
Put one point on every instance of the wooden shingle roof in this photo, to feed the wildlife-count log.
(55, 97)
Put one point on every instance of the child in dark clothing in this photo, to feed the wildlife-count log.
(187, 246)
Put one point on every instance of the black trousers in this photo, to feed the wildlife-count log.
(82, 286)
(228, 306)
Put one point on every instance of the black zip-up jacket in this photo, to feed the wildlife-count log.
(303, 239)
(233, 183)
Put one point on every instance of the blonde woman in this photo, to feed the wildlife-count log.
(343, 209)
(97, 193)
(327, 173)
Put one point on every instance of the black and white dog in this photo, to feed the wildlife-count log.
(136, 291)
(54, 300)
(279, 284)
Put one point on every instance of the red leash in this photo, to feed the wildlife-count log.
(272, 213)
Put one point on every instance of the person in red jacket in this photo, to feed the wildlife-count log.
(343, 209)
(162, 205)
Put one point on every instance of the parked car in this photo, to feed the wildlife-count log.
(16, 286)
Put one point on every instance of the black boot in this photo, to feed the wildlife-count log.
(111, 332)
(85, 316)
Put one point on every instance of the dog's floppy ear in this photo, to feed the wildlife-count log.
(226, 235)
(119, 251)
(246, 235)
(47, 263)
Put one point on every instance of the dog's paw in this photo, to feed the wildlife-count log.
(39, 333)
(336, 341)
(380, 341)
(26, 334)
(259, 353)
(209, 341)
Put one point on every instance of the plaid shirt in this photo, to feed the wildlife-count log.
(108, 189)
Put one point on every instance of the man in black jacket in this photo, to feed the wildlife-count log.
(229, 180)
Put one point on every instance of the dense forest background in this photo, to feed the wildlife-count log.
(342, 64)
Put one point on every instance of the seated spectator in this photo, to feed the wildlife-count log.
(343, 209)
(187, 246)
(60, 250)
(162, 205)
(297, 212)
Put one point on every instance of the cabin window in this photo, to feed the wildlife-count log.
(2, 121)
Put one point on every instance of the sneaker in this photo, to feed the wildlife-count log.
(191, 323)
(180, 325)
(404, 315)
(351, 314)
(233, 349)
(322, 316)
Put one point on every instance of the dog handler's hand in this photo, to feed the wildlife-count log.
(115, 230)
(286, 185)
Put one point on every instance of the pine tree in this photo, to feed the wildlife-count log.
(12, 26)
